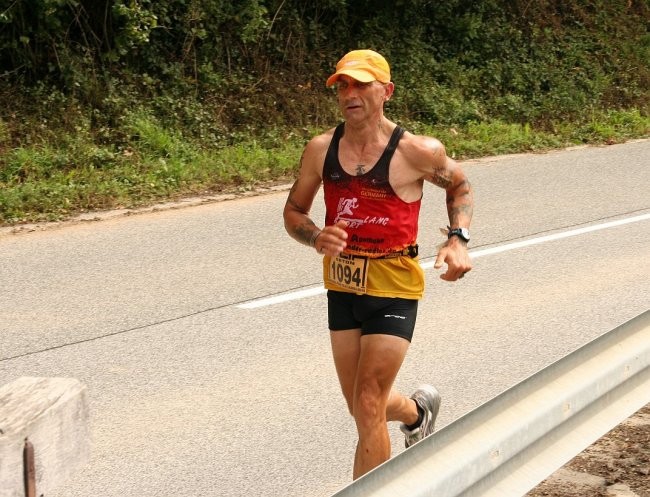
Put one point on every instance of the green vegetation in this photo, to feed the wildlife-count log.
(118, 103)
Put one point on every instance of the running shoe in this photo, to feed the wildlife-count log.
(428, 398)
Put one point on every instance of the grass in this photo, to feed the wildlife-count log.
(43, 181)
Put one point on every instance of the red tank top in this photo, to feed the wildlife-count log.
(379, 222)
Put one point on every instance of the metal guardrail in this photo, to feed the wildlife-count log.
(508, 445)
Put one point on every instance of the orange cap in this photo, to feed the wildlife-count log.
(362, 65)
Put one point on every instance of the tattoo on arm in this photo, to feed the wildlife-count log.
(292, 202)
(460, 203)
(459, 190)
(442, 179)
(304, 228)
(305, 231)
(441, 175)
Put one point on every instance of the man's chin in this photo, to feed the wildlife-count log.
(354, 114)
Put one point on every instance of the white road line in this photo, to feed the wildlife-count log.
(548, 238)
(309, 292)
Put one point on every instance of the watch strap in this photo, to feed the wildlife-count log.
(461, 233)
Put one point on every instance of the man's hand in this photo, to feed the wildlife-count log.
(454, 254)
(332, 239)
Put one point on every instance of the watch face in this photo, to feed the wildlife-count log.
(461, 232)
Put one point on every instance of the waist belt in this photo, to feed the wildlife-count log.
(410, 251)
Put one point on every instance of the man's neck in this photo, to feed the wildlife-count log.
(368, 131)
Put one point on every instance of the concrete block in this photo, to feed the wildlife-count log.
(53, 414)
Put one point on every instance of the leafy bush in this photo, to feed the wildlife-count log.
(116, 102)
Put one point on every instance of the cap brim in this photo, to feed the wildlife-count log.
(362, 76)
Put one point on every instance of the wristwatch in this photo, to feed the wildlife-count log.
(462, 233)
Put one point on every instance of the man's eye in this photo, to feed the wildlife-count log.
(356, 84)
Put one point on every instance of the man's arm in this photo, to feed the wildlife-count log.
(448, 174)
(460, 200)
(299, 202)
(330, 240)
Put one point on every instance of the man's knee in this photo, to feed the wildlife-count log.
(369, 403)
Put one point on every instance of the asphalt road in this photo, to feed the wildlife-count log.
(193, 393)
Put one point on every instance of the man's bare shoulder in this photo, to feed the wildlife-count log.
(421, 144)
(314, 153)
(423, 152)
(321, 141)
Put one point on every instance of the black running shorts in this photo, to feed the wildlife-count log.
(373, 315)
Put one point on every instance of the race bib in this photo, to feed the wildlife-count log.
(349, 272)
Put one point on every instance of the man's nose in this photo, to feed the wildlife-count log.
(350, 91)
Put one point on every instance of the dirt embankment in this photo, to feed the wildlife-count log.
(617, 465)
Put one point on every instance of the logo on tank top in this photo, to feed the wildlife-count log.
(345, 212)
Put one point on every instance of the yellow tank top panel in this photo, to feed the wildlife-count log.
(401, 277)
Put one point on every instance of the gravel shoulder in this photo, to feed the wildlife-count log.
(616, 465)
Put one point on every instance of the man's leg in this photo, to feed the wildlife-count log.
(346, 348)
(367, 367)
(379, 362)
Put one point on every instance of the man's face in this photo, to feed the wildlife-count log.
(359, 101)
